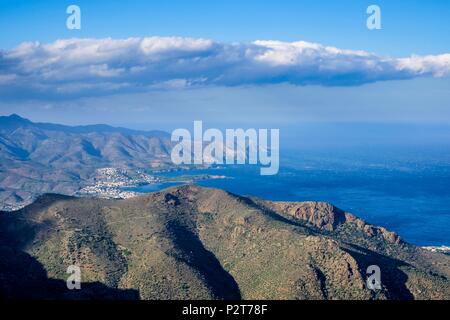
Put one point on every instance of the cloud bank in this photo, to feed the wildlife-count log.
(84, 67)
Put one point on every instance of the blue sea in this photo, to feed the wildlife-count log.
(406, 191)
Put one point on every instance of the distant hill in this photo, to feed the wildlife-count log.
(52, 144)
(12, 122)
(190, 242)
(40, 157)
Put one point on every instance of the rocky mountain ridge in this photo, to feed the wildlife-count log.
(36, 158)
(190, 242)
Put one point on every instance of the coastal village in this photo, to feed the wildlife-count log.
(110, 183)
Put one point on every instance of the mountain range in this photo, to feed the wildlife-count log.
(36, 158)
(191, 242)
(185, 242)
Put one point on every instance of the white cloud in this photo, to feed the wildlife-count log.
(96, 66)
(438, 66)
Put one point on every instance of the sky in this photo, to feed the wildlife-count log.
(163, 64)
(408, 26)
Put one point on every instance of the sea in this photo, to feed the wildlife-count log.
(405, 190)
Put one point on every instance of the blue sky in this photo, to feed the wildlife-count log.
(340, 72)
(412, 26)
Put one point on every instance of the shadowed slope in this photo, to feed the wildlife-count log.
(190, 242)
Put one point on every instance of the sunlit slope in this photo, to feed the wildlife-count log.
(190, 242)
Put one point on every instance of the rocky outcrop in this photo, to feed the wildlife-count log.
(327, 217)
(190, 242)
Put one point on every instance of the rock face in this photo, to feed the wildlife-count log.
(319, 214)
(326, 216)
(190, 242)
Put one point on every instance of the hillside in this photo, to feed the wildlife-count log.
(190, 242)
(36, 158)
